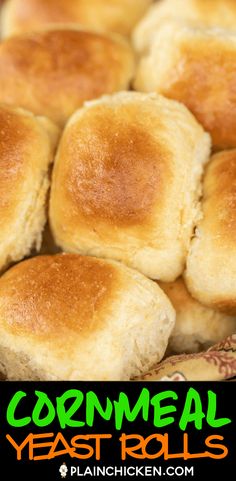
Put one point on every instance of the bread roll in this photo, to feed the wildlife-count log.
(27, 146)
(197, 327)
(52, 72)
(211, 264)
(105, 15)
(207, 13)
(126, 182)
(68, 317)
(196, 67)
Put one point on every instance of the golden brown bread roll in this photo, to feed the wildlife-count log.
(208, 13)
(70, 317)
(27, 146)
(126, 182)
(103, 15)
(211, 264)
(52, 72)
(196, 67)
(197, 327)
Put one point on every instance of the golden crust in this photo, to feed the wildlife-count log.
(16, 135)
(119, 173)
(43, 296)
(212, 279)
(220, 198)
(53, 72)
(27, 146)
(111, 16)
(199, 70)
(119, 189)
(209, 68)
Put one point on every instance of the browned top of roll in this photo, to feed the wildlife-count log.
(115, 175)
(53, 72)
(199, 71)
(24, 141)
(220, 199)
(45, 295)
(206, 84)
(16, 134)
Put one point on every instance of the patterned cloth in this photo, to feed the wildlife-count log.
(216, 364)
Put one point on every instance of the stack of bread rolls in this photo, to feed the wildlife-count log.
(118, 216)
